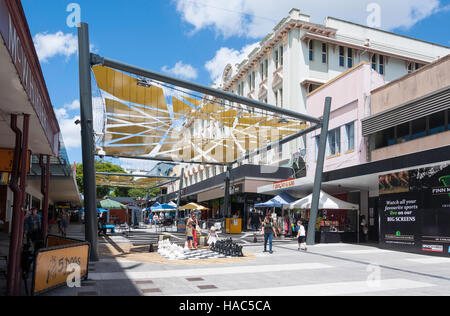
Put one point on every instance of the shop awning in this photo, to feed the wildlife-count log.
(326, 202)
(278, 201)
(99, 210)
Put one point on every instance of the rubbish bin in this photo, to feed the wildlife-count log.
(233, 225)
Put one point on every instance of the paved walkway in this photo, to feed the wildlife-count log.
(337, 269)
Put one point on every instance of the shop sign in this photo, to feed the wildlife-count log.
(414, 208)
(52, 266)
(7, 159)
(284, 184)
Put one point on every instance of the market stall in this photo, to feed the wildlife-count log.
(337, 221)
(284, 219)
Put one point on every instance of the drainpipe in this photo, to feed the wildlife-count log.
(23, 180)
(13, 245)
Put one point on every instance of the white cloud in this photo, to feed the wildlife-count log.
(182, 70)
(71, 133)
(226, 56)
(50, 45)
(256, 18)
(75, 105)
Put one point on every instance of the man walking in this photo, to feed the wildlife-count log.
(33, 226)
(269, 232)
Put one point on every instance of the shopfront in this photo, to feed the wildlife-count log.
(414, 210)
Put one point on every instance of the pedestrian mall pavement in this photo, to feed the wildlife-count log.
(328, 269)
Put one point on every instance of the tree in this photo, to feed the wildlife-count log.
(104, 166)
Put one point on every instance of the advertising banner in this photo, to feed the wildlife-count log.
(414, 208)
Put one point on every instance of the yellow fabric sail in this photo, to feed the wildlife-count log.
(126, 88)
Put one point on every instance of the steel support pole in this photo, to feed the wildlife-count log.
(180, 190)
(319, 172)
(87, 140)
(226, 200)
(45, 182)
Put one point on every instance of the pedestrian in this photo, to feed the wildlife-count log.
(189, 234)
(212, 236)
(64, 222)
(255, 221)
(33, 227)
(364, 229)
(301, 236)
(269, 232)
(196, 229)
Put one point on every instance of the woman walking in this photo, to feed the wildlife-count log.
(269, 231)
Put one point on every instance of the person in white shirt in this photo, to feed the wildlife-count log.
(301, 235)
(212, 236)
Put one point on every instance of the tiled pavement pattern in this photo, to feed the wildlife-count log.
(338, 269)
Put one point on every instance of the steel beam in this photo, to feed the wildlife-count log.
(319, 172)
(277, 143)
(135, 176)
(180, 189)
(87, 140)
(166, 160)
(95, 59)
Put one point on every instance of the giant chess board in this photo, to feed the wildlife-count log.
(200, 254)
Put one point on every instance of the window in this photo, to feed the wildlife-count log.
(403, 133)
(334, 142)
(349, 58)
(311, 50)
(374, 62)
(341, 56)
(381, 67)
(419, 128)
(281, 55)
(266, 68)
(350, 133)
(324, 53)
(437, 123)
(279, 97)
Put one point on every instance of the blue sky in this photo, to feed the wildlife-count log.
(191, 39)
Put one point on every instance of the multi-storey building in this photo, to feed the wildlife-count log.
(300, 56)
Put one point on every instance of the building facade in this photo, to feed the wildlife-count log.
(299, 56)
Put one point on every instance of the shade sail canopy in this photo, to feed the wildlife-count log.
(146, 118)
(157, 207)
(111, 205)
(194, 207)
(279, 201)
(131, 181)
(99, 210)
(326, 202)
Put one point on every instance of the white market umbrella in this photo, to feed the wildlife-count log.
(326, 202)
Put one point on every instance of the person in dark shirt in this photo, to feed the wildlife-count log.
(33, 227)
(269, 232)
